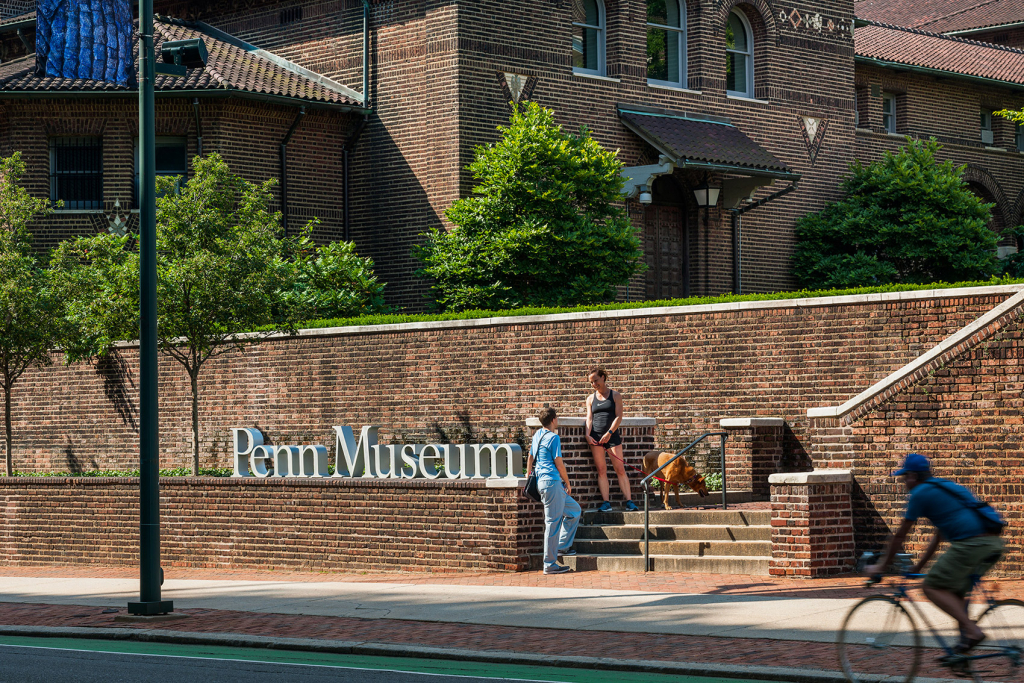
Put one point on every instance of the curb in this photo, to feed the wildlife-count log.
(773, 673)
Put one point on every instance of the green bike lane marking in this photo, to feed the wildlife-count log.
(378, 663)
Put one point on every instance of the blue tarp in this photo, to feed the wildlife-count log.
(85, 39)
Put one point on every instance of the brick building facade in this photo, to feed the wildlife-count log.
(801, 91)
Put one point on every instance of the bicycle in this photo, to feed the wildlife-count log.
(880, 640)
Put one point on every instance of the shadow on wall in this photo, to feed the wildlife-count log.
(870, 530)
(119, 388)
(795, 457)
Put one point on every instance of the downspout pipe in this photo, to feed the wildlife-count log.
(284, 167)
(366, 54)
(346, 151)
(199, 126)
(737, 213)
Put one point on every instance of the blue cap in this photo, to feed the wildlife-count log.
(915, 462)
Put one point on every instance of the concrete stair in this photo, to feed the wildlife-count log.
(684, 540)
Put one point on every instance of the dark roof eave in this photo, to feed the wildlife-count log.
(211, 93)
(706, 165)
(17, 25)
(939, 73)
(739, 170)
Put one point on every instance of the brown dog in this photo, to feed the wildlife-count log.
(679, 472)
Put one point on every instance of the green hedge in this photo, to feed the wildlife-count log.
(391, 319)
(176, 472)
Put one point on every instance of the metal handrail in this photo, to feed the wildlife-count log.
(646, 486)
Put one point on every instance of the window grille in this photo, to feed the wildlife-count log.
(76, 172)
(739, 57)
(1018, 137)
(588, 36)
(666, 42)
(291, 15)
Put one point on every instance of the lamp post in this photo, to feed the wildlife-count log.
(707, 197)
(150, 574)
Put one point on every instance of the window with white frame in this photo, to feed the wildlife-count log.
(986, 126)
(889, 112)
(666, 42)
(171, 159)
(76, 172)
(588, 36)
(739, 53)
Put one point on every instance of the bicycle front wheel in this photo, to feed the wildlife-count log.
(879, 638)
(1000, 657)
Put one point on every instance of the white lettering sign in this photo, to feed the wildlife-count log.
(368, 459)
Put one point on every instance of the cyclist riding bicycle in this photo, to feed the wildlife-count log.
(972, 529)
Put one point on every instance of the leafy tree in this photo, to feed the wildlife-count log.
(222, 269)
(220, 272)
(545, 226)
(1012, 114)
(30, 320)
(905, 219)
(332, 281)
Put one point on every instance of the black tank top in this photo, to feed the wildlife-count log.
(603, 412)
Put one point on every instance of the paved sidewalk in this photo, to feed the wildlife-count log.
(702, 621)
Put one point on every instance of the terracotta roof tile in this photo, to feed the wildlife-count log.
(941, 16)
(944, 53)
(229, 66)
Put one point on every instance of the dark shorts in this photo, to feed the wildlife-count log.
(953, 570)
(614, 440)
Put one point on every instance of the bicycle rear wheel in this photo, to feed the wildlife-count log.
(878, 637)
(1001, 656)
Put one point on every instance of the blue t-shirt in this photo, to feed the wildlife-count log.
(950, 516)
(546, 447)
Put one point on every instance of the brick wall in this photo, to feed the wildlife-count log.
(579, 463)
(963, 410)
(466, 381)
(812, 528)
(314, 153)
(307, 525)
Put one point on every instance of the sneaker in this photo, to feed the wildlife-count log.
(605, 507)
(631, 506)
(557, 569)
(567, 553)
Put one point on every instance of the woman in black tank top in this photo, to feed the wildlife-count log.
(604, 415)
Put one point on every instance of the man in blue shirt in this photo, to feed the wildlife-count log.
(561, 513)
(973, 549)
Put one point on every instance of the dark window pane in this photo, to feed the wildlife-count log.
(584, 48)
(735, 34)
(657, 56)
(76, 172)
(585, 12)
(171, 159)
(656, 12)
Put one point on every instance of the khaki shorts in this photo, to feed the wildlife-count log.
(953, 570)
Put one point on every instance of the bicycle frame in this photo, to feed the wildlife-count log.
(899, 593)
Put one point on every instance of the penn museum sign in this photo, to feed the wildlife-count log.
(368, 459)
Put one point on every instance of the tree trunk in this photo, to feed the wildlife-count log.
(7, 425)
(195, 423)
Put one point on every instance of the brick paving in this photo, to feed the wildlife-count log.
(553, 641)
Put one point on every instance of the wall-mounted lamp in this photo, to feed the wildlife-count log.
(706, 195)
(645, 195)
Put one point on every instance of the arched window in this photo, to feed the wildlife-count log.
(739, 54)
(588, 29)
(666, 42)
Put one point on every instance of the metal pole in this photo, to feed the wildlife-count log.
(149, 443)
(647, 530)
(725, 504)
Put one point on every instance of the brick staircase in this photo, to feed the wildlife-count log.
(685, 540)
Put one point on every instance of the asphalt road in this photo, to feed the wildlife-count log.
(44, 660)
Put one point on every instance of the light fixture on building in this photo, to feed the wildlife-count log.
(706, 195)
(645, 195)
